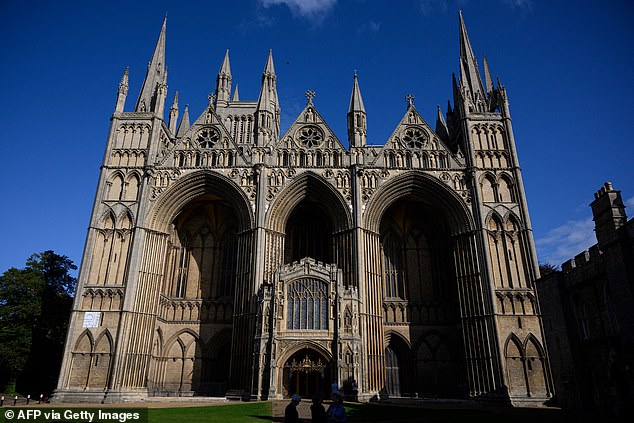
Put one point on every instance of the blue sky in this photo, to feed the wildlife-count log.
(568, 68)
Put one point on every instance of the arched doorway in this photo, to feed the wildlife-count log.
(306, 373)
(392, 373)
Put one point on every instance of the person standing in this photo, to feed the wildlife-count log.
(317, 410)
(336, 411)
(355, 391)
(334, 388)
(290, 412)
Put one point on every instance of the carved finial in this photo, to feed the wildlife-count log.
(212, 98)
(410, 99)
(310, 94)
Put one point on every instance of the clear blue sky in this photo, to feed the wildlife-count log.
(568, 68)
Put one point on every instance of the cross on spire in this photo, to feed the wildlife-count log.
(410, 99)
(212, 98)
(310, 94)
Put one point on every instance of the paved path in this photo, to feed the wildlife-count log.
(303, 409)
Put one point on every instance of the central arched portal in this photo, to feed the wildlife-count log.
(306, 372)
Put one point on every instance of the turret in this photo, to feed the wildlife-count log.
(173, 115)
(154, 90)
(184, 125)
(357, 126)
(122, 93)
(223, 82)
(441, 126)
(608, 213)
(267, 112)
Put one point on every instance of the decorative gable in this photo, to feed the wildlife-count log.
(206, 144)
(309, 142)
(414, 145)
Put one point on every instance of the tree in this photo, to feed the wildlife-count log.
(35, 304)
(546, 268)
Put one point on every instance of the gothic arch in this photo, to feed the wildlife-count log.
(488, 186)
(81, 346)
(125, 220)
(216, 341)
(108, 220)
(309, 186)
(115, 186)
(175, 337)
(106, 337)
(535, 366)
(158, 340)
(325, 352)
(505, 188)
(514, 356)
(188, 188)
(422, 185)
(132, 185)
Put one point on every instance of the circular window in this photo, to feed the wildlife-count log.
(415, 138)
(310, 136)
(207, 137)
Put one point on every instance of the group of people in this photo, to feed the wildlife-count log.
(336, 412)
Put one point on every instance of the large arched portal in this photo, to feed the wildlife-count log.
(204, 222)
(420, 296)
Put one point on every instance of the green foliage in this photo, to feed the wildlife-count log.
(546, 268)
(35, 304)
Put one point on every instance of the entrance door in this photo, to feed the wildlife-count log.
(392, 376)
(306, 373)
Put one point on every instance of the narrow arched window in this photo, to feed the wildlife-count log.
(227, 277)
(392, 266)
(307, 304)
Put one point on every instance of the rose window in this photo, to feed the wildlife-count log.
(310, 136)
(207, 138)
(415, 138)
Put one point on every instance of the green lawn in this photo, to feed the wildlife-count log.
(234, 413)
(386, 413)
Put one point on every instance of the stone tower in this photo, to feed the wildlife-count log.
(225, 257)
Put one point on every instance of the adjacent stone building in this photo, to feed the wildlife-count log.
(225, 257)
(588, 310)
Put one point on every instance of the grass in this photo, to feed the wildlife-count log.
(234, 413)
(430, 414)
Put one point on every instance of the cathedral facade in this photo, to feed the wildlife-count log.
(226, 258)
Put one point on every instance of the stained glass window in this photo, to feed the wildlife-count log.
(307, 304)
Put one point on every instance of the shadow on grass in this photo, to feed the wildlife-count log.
(388, 413)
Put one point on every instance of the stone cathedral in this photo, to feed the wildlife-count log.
(225, 258)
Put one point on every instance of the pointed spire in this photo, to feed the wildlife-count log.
(236, 96)
(173, 114)
(269, 69)
(357, 125)
(356, 102)
(488, 81)
(441, 125)
(267, 122)
(223, 81)
(122, 92)
(156, 74)
(469, 74)
(184, 125)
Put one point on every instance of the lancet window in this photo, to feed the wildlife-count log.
(307, 304)
(392, 264)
